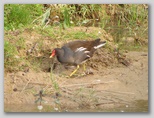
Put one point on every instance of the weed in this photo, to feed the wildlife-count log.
(66, 15)
(54, 81)
(10, 56)
(20, 44)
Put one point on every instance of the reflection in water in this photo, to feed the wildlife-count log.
(136, 106)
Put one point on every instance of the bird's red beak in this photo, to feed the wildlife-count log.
(53, 54)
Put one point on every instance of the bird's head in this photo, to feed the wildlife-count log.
(53, 53)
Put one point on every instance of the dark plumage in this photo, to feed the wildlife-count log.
(76, 52)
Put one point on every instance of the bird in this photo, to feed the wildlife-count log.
(77, 52)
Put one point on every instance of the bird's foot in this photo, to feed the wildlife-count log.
(89, 73)
(72, 76)
(76, 75)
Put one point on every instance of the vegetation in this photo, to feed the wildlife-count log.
(120, 20)
(20, 15)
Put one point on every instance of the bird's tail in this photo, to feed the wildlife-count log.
(101, 44)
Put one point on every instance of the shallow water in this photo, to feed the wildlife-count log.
(136, 106)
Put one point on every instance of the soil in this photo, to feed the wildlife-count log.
(109, 82)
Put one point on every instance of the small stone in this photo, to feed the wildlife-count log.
(98, 80)
(122, 111)
(40, 107)
(15, 89)
(66, 110)
(16, 56)
(56, 109)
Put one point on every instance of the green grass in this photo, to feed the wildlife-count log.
(54, 80)
(10, 54)
(57, 33)
(79, 35)
(20, 15)
(20, 44)
(135, 47)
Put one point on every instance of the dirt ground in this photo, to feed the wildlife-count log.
(108, 85)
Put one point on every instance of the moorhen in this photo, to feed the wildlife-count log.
(76, 52)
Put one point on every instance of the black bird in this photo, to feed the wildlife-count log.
(76, 52)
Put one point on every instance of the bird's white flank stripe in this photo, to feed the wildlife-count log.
(80, 49)
(88, 56)
(96, 47)
(86, 51)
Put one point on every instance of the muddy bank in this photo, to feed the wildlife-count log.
(108, 87)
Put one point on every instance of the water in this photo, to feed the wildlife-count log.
(136, 106)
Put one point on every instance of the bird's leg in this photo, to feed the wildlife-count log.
(84, 66)
(74, 71)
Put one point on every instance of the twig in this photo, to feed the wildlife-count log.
(117, 92)
(108, 103)
(40, 84)
(72, 85)
(66, 91)
(85, 84)
(25, 86)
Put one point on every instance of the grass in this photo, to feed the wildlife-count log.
(58, 33)
(9, 55)
(80, 35)
(135, 47)
(17, 16)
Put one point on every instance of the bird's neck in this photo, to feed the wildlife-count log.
(59, 53)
